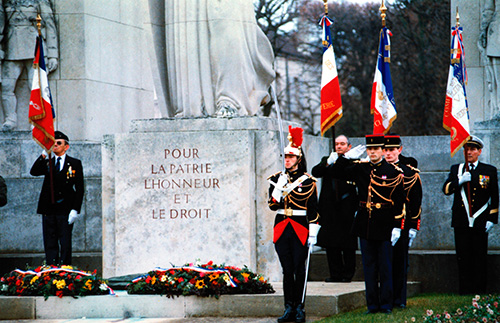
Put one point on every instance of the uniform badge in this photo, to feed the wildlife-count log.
(384, 176)
(484, 180)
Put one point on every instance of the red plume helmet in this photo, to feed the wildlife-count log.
(295, 137)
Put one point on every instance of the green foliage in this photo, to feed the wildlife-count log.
(202, 280)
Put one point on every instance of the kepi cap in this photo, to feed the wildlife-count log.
(375, 140)
(392, 141)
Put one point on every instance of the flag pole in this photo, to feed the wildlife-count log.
(382, 10)
(325, 43)
(51, 166)
(457, 17)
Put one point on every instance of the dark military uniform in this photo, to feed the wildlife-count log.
(338, 203)
(411, 220)
(3, 192)
(291, 230)
(471, 241)
(381, 194)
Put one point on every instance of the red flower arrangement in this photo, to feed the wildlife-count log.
(200, 279)
(52, 281)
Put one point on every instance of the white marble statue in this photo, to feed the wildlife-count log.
(489, 47)
(19, 38)
(212, 57)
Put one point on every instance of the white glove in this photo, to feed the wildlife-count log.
(333, 158)
(278, 187)
(356, 152)
(44, 154)
(313, 234)
(411, 236)
(464, 178)
(396, 233)
(489, 225)
(73, 215)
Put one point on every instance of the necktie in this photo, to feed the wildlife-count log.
(58, 164)
(471, 168)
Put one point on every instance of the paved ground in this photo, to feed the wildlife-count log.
(160, 320)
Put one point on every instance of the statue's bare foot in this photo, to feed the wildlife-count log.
(226, 109)
(8, 126)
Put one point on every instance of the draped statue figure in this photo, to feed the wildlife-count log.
(211, 56)
(489, 47)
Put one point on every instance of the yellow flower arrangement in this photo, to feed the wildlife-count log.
(33, 280)
(213, 276)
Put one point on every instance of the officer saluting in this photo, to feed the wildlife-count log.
(378, 219)
(293, 195)
(474, 211)
(411, 220)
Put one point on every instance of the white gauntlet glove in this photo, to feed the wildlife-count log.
(278, 187)
(333, 158)
(464, 178)
(489, 225)
(411, 236)
(396, 233)
(73, 215)
(313, 234)
(355, 152)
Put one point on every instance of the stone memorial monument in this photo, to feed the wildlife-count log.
(181, 189)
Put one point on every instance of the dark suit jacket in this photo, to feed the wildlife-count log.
(68, 186)
(483, 186)
(338, 203)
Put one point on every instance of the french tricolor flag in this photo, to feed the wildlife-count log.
(383, 105)
(41, 114)
(456, 111)
(331, 103)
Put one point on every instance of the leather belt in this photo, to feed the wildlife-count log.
(292, 212)
(375, 205)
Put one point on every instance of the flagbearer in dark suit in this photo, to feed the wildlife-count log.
(293, 195)
(378, 219)
(61, 208)
(338, 203)
(411, 220)
(475, 210)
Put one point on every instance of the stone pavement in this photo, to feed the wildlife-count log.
(323, 300)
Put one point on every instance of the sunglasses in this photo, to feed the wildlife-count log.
(60, 142)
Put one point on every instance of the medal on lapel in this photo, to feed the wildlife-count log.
(484, 181)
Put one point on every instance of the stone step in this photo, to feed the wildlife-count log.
(323, 300)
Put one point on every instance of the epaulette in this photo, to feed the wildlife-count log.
(397, 168)
(312, 177)
(359, 161)
(413, 168)
(274, 174)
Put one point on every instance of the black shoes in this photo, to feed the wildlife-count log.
(300, 315)
(288, 315)
(383, 311)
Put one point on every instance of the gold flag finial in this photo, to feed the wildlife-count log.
(458, 18)
(382, 10)
(39, 24)
(326, 7)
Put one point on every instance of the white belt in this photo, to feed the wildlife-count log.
(291, 212)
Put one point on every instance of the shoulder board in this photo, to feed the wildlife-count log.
(274, 174)
(413, 168)
(399, 169)
(311, 177)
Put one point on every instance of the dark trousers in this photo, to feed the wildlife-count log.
(57, 237)
(292, 255)
(341, 262)
(400, 269)
(471, 245)
(377, 266)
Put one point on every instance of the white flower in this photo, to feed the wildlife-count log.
(103, 287)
